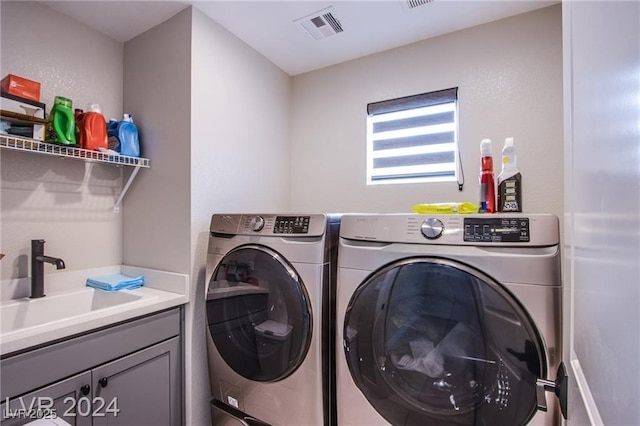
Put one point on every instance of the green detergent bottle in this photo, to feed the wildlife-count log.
(62, 126)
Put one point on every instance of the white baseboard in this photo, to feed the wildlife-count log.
(585, 394)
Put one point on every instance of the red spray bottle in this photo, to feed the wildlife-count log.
(487, 179)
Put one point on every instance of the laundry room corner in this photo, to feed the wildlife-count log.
(348, 213)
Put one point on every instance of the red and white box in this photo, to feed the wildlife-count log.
(20, 86)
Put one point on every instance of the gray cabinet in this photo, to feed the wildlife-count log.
(142, 385)
(127, 374)
(47, 400)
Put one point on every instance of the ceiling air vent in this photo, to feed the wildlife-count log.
(321, 24)
(412, 4)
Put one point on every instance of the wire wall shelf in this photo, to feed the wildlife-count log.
(17, 143)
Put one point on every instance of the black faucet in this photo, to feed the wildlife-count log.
(37, 267)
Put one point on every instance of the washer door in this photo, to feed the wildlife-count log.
(433, 341)
(259, 313)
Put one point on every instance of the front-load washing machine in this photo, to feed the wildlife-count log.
(270, 307)
(449, 320)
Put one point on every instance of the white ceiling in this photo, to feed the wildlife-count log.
(268, 26)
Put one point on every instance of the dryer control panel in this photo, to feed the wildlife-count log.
(291, 225)
(276, 224)
(282, 225)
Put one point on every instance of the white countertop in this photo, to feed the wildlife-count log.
(161, 290)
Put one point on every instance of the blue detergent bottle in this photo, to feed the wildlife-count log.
(127, 134)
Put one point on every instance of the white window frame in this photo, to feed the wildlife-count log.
(432, 155)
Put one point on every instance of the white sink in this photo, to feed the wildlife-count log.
(71, 308)
(24, 313)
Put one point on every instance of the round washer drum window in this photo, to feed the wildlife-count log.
(432, 341)
(259, 313)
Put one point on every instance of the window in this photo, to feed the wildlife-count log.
(413, 139)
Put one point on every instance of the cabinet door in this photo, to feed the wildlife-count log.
(69, 399)
(145, 388)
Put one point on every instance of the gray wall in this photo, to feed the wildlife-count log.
(157, 92)
(602, 223)
(509, 75)
(68, 203)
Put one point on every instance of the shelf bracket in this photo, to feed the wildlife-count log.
(116, 207)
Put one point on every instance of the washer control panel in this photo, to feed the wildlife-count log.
(256, 223)
(497, 230)
(432, 228)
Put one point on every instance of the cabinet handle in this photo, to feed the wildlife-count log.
(85, 390)
(104, 382)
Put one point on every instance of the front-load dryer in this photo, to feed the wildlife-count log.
(270, 307)
(449, 320)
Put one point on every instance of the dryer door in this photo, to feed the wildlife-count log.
(258, 313)
(433, 341)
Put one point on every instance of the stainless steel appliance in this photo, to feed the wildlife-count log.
(449, 320)
(271, 318)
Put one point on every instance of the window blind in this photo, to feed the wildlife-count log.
(413, 139)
